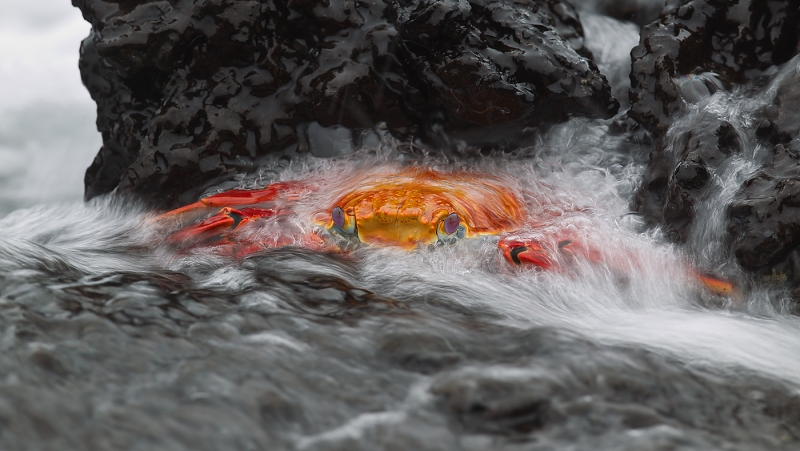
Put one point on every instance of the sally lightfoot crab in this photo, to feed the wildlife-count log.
(405, 208)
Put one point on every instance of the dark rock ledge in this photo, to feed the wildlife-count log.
(191, 93)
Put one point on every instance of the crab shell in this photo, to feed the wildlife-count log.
(409, 209)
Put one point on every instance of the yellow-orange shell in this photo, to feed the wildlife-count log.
(405, 208)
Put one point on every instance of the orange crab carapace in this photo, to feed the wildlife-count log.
(419, 207)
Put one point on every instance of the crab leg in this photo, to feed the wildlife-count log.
(716, 285)
(238, 197)
(227, 219)
(530, 251)
(522, 251)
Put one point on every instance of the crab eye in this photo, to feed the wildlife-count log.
(451, 223)
(338, 217)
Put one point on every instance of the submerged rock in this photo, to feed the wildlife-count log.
(191, 93)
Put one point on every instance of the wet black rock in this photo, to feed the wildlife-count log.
(695, 49)
(679, 171)
(729, 40)
(147, 359)
(575, 395)
(191, 93)
(764, 221)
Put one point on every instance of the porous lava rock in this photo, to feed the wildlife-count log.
(732, 40)
(696, 48)
(679, 176)
(190, 93)
(764, 220)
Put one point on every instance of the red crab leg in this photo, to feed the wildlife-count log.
(219, 231)
(238, 197)
(716, 285)
(526, 252)
(225, 220)
(531, 252)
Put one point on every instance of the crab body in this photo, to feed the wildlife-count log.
(423, 207)
(400, 208)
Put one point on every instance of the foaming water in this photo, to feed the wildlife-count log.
(647, 300)
(342, 350)
(99, 236)
(111, 337)
(610, 42)
(655, 306)
(703, 117)
(642, 296)
(736, 110)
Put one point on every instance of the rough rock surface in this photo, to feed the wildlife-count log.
(192, 92)
(146, 360)
(696, 48)
(733, 39)
(678, 177)
(764, 221)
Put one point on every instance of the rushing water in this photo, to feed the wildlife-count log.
(112, 340)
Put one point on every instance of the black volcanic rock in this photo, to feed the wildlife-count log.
(764, 221)
(696, 48)
(731, 40)
(190, 93)
(677, 177)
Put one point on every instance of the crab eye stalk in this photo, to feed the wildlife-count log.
(451, 223)
(344, 225)
(338, 217)
(450, 228)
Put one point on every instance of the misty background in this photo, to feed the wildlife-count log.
(47, 119)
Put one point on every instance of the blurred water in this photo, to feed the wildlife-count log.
(613, 57)
(47, 133)
(110, 339)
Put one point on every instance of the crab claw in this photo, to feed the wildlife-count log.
(555, 254)
(227, 219)
(546, 254)
(238, 197)
(524, 252)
